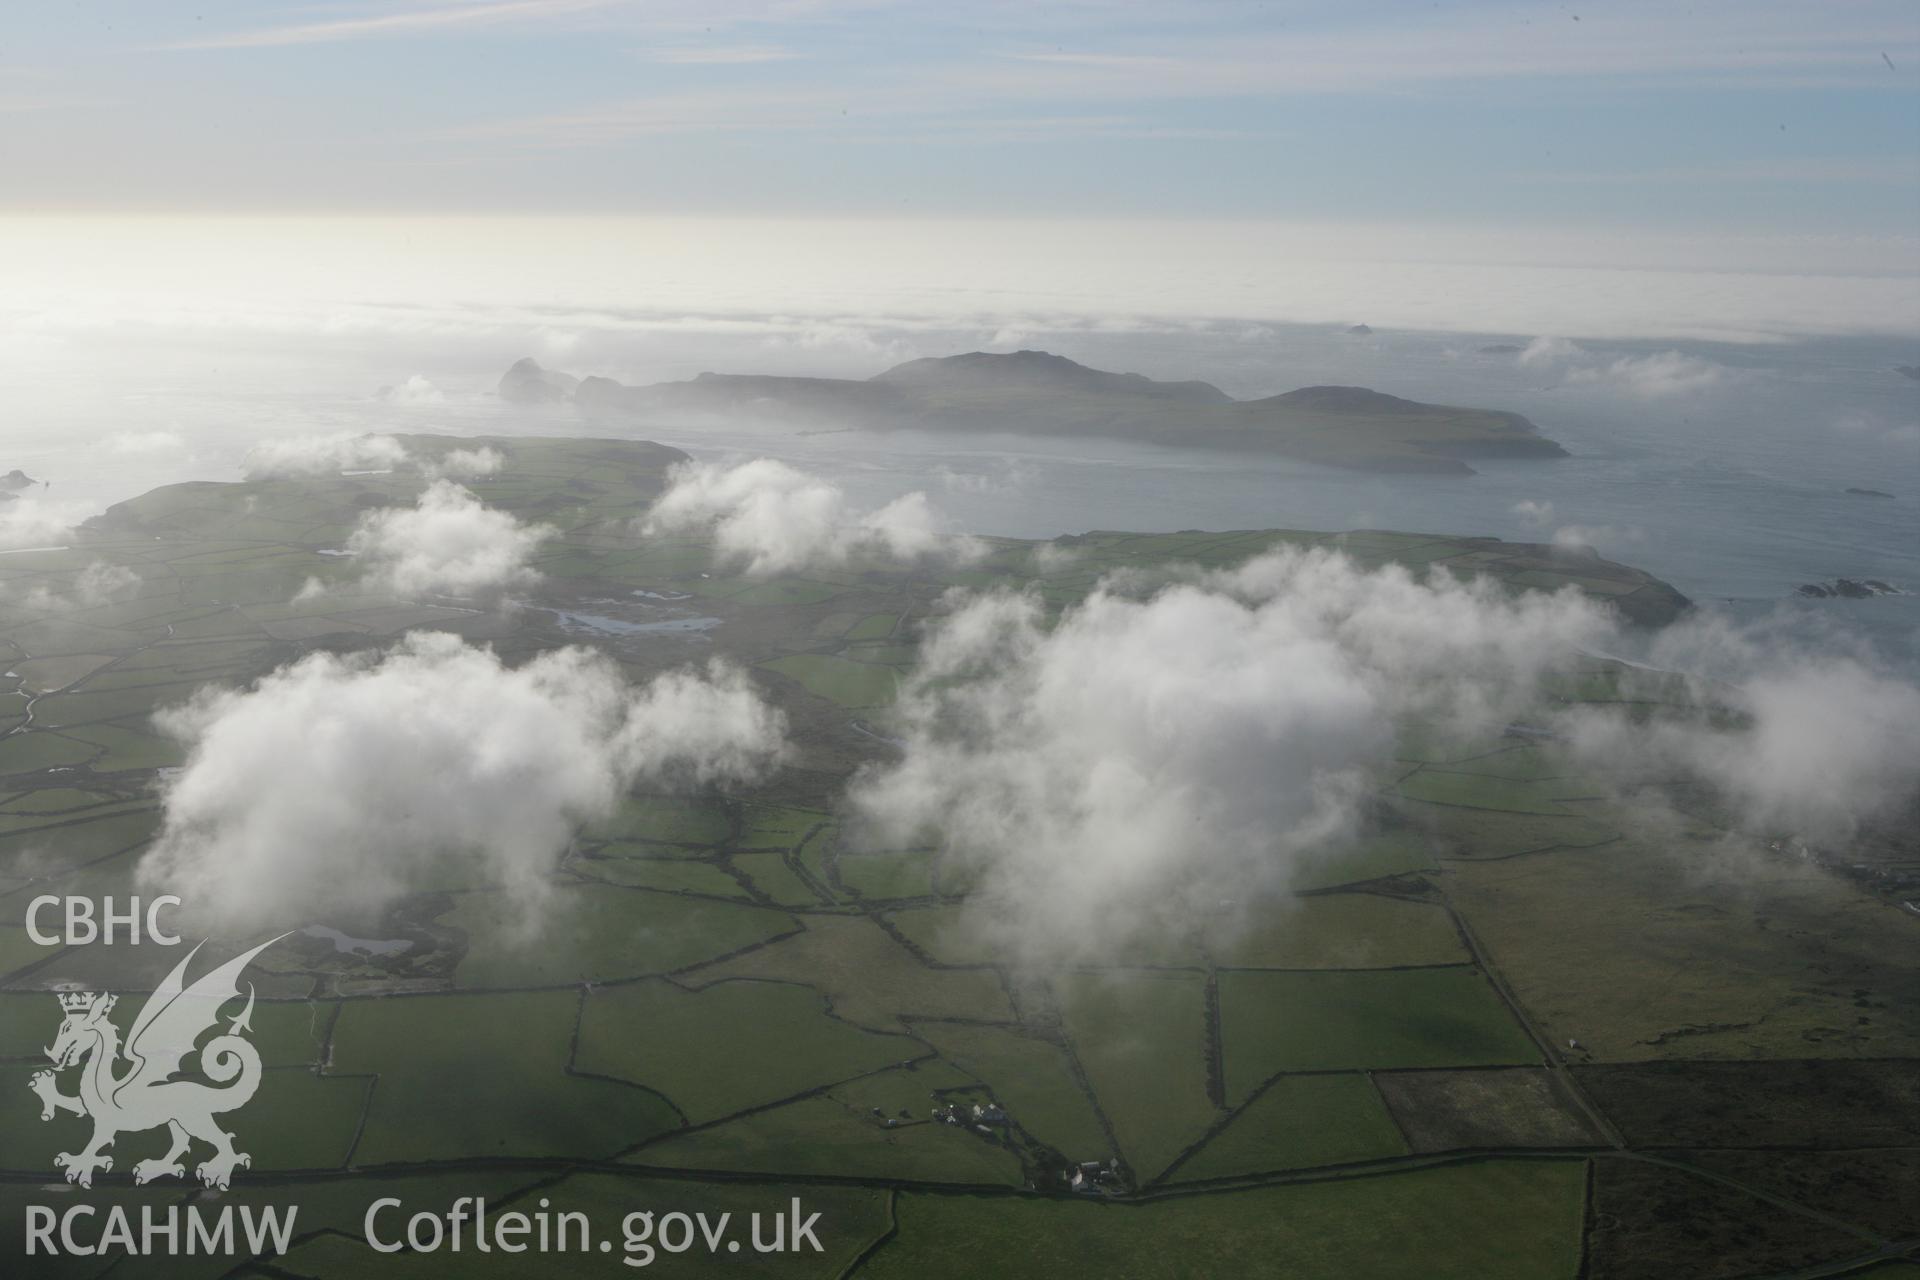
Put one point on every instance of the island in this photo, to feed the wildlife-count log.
(1847, 589)
(1039, 393)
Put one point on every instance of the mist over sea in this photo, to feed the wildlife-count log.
(1716, 453)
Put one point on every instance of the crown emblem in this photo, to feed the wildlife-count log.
(147, 1093)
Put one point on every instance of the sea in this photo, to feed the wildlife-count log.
(1728, 469)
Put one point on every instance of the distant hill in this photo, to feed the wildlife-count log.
(527, 383)
(1038, 393)
(1039, 371)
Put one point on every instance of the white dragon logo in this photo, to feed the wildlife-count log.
(148, 1095)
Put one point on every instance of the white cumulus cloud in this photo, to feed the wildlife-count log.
(469, 464)
(1535, 511)
(319, 454)
(1814, 736)
(1166, 750)
(39, 522)
(448, 542)
(346, 782)
(415, 390)
(99, 583)
(1146, 757)
(1665, 373)
(774, 518)
(1548, 351)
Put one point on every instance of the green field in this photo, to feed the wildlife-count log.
(729, 1047)
(1142, 1039)
(1032, 1079)
(1463, 1110)
(887, 875)
(836, 1134)
(427, 1095)
(1483, 791)
(599, 933)
(1275, 1021)
(664, 820)
(1299, 1122)
(1799, 958)
(1380, 856)
(1342, 931)
(1492, 1221)
(851, 684)
(869, 978)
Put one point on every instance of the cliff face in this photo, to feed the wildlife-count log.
(1037, 393)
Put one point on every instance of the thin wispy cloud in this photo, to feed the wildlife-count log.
(705, 111)
(1892, 171)
(723, 55)
(1464, 112)
(1123, 61)
(27, 89)
(418, 21)
(1714, 43)
(1156, 77)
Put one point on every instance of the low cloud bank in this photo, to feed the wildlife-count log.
(100, 583)
(466, 464)
(321, 454)
(1822, 739)
(33, 521)
(1548, 351)
(773, 518)
(1163, 751)
(1539, 514)
(346, 782)
(447, 543)
(1657, 376)
(1153, 755)
(1534, 511)
(332, 454)
(1666, 373)
(414, 391)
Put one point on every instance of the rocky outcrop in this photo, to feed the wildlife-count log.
(1847, 589)
(527, 383)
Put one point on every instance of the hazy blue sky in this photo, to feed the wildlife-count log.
(1751, 115)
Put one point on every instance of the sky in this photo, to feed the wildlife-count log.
(1754, 116)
